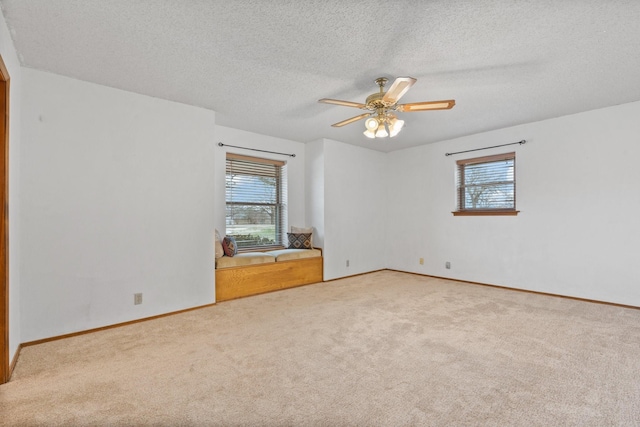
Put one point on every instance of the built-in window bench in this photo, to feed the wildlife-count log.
(252, 273)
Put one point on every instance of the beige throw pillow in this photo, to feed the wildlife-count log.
(218, 245)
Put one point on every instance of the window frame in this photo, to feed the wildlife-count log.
(280, 203)
(461, 164)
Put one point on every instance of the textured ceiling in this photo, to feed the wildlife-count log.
(262, 65)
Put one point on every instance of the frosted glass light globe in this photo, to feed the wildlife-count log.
(371, 124)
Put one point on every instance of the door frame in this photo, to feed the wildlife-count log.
(5, 371)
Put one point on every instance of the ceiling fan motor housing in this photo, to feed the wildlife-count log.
(375, 102)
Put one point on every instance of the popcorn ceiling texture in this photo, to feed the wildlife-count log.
(262, 65)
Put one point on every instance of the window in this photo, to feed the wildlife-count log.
(487, 185)
(256, 191)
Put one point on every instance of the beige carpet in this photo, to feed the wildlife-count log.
(383, 349)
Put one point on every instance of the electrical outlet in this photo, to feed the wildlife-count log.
(347, 263)
(421, 261)
(137, 299)
(447, 265)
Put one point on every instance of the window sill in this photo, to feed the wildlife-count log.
(488, 212)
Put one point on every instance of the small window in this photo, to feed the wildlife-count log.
(256, 192)
(487, 185)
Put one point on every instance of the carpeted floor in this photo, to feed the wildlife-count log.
(382, 349)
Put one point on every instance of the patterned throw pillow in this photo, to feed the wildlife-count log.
(299, 240)
(295, 229)
(229, 246)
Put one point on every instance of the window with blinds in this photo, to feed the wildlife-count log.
(487, 185)
(256, 199)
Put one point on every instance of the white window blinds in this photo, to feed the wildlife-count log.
(256, 192)
(487, 183)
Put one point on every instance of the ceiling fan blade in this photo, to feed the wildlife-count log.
(424, 106)
(351, 120)
(399, 87)
(343, 103)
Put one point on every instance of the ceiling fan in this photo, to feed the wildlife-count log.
(382, 120)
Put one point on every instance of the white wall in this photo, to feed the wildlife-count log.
(577, 232)
(314, 190)
(12, 63)
(120, 194)
(117, 198)
(295, 168)
(354, 209)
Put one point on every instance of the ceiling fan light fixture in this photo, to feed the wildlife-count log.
(395, 127)
(371, 124)
(382, 131)
(369, 134)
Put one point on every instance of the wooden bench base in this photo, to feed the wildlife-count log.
(236, 282)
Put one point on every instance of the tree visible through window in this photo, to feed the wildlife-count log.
(487, 185)
(256, 201)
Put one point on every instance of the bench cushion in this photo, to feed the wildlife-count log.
(289, 254)
(247, 258)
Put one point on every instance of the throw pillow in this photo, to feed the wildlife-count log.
(299, 240)
(229, 246)
(218, 245)
(295, 229)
